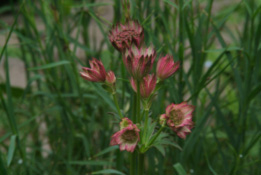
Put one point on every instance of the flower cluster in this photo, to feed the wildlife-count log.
(138, 59)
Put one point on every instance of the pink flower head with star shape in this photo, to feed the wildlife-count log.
(128, 137)
(179, 118)
(139, 61)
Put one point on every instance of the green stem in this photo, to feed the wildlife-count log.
(132, 163)
(145, 124)
(133, 155)
(117, 104)
(141, 164)
(138, 101)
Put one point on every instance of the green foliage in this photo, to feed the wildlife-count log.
(61, 124)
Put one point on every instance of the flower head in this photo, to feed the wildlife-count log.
(147, 85)
(166, 67)
(179, 118)
(127, 137)
(139, 61)
(110, 77)
(122, 36)
(96, 73)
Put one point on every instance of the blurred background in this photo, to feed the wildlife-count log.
(53, 122)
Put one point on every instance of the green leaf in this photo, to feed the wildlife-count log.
(223, 49)
(11, 150)
(91, 162)
(92, 5)
(161, 149)
(111, 148)
(254, 92)
(102, 93)
(51, 65)
(172, 4)
(108, 171)
(171, 143)
(149, 131)
(179, 168)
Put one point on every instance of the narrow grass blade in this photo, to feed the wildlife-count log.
(108, 171)
(11, 150)
(51, 65)
(179, 168)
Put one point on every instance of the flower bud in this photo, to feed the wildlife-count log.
(147, 85)
(110, 78)
(163, 119)
(166, 67)
(96, 73)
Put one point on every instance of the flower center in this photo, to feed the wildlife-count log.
(176, 117)
(126, 35)
(129, 136)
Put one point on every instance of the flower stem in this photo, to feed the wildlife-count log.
(141, 164)
(132, 163)
(145, 124)
(138, 101)
(116, 104)
(133, 155)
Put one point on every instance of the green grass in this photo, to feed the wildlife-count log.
(61, 124)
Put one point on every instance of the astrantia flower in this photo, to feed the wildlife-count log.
(179, 118)
(96, 73)
(139, 61)
(122, 36)
(166, 67)
(147, 85)
(127, 137)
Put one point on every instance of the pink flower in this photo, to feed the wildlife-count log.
(122, 36)
(147, 85)
(139, 61)
(110, 78)
(166, 67)
(96, 73)
(128, 137)
(179, 118)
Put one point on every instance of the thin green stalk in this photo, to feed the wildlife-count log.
(133, 155)
(145, 123)
(138, 101)
(132, 163)
(117, 104)
(141, 164)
